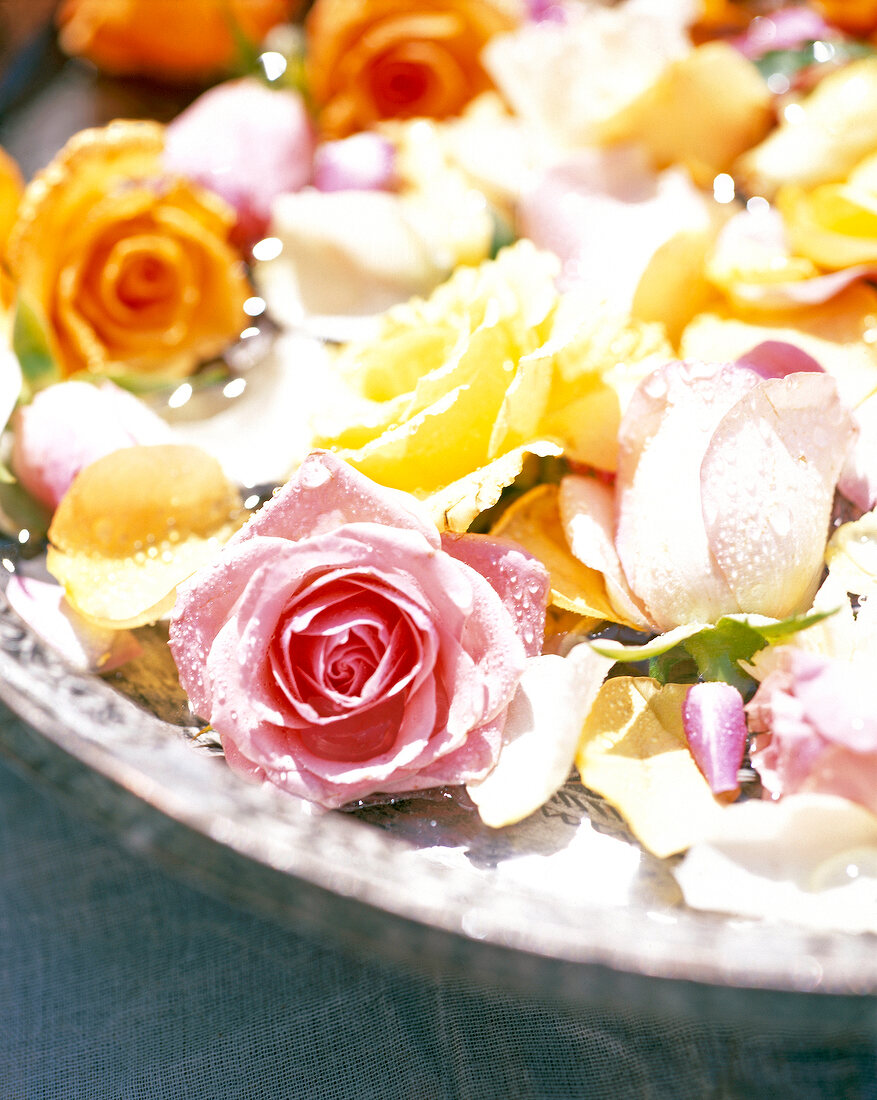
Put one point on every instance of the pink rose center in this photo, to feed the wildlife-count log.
(349, 652)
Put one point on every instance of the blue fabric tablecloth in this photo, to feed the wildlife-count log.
(117, 981)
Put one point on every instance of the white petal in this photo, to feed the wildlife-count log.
(542, 732)
(810, 859)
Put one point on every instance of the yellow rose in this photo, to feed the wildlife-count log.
(455, 390)
(132, 272)
(376, 59)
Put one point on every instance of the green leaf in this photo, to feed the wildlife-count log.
(246, 50)
(789, 63)
(676, 666)
(20, 512)
(716, 649)
(30, 342)
(655, 648)
(503, 233)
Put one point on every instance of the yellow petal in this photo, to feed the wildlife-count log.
(833, 225)
(825, 138)
(534, 522)
(708, 108)
(454, 507)
(634, 753)
(134, 525)
(851, 556)
(839, 334)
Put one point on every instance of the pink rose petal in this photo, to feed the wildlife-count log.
(603, 203)
(326, 493)
(777, 359)
(340, 651)
(786, 29)
(661, 541)
(715, 725)
(70, 425)
(767, 482)
(519, 579)
(363, 162)
(246, 142)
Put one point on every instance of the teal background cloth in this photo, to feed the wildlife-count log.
(118, 982)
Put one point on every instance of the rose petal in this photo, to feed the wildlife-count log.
(325, 493)
(542, 732)
(809, 859)
(587, 512)
(611, 201)
(136, 523)
(837, 334)
(454, 507)
(835, 127)
(518, 578)
(785, 29)
(70, 425)
(634, 752)
(777, 359)
(715, 726)
(86, 647)
(266, 148)
(363, 162)
(789, 436)
(661, 541)
(858, 479)
(534, 522)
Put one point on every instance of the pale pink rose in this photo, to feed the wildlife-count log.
(787, 29)
(363, 162)
(246, 142)
(723, 495)
(340, 647)
(816, 721)
(72, 424)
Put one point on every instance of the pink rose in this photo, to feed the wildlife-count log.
(72, 424)
(246, 142)
(816, 720)
(340, 646)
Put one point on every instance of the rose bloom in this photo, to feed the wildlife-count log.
(377, 59)
(816, 721)
(723, 497)
(70, 425)
(492, 361)
(131, 270)
(340, 647)
(857, 17)
(266, 148)
(175, 39)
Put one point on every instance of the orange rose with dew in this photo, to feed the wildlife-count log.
(176, 39)
(378, 59)
(130, 269)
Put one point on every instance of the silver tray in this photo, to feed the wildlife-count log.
(564, 906)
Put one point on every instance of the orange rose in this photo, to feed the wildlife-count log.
(377, 59)
(177, 39)
(131, 271)
(854, 16)
(11, 187)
